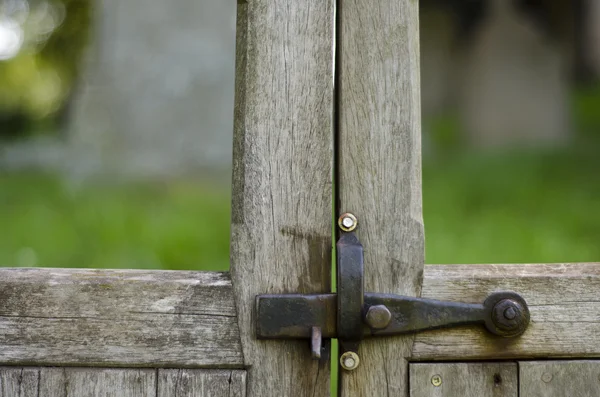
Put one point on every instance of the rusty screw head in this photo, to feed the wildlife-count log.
(349, 361)
(436, 380)
(378, 317)
(347, 222)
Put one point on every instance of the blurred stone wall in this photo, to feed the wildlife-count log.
(157, 97)
(503, 67)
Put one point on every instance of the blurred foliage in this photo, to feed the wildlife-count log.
(519, 207)
(36, 84)
(586, 111)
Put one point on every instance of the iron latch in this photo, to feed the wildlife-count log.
(351, 314)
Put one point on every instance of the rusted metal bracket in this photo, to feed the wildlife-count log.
(351, 314)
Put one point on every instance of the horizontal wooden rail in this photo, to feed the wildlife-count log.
(135, 318)
(118, 318)
(564, 300)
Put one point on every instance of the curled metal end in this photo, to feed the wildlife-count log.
(507, 314)
(316, 341)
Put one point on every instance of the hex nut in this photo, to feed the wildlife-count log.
(349, 361)
(347, 222)
(378, 317)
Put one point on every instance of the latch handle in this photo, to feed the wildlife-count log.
(351, 314)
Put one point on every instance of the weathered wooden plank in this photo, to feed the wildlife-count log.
(559, 378)
(92, 382)
(379, 168)
(464, 380)
(562, 298)
(97, 382)
(118, 318)
(194, 382)
(282, 178)
(19, 382)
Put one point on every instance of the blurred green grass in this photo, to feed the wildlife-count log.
(510, 207)
(176, 225)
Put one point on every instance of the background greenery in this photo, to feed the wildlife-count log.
(528, 206)
(519, 207)
(36, 85)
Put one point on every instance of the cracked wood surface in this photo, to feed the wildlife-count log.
(282, 179)
(118, 318)
(379, 169)
(563, 300)
(100, 382)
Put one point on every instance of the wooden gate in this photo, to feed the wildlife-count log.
(327, 101)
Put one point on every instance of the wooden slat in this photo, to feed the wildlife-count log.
(559, 378)
(118, 318)
(282, 189)
(100, 382)
(562, 298)
(19, 382)
(97, 382)
(194, 382)
(379, 168)
(464, 380)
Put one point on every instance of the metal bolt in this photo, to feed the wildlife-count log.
(347, 222)
(509, 317)
(547, 377)
(349, 361)
(510, 313)
(378, 317)
(436, 380)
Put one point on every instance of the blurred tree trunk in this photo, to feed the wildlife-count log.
(592, 37)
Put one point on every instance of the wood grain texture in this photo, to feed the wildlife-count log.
(97, 382)
(118, 318)
(113, 382)
(379, 168)
(464, 380)
(282, 178)
(193, 382)
(19, 382)
(559, 378)
(562, 298)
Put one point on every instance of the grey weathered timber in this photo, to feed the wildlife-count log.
(559, 379)
(194, 382)
(464, 380)
(379, 168)
(97, 382)
(101, 382)
(282, 173)
(118, 318)
(562, 298)
(19, 382)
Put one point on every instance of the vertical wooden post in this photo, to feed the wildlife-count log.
(282, 184)
(379, 174)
